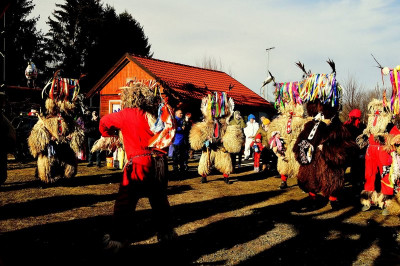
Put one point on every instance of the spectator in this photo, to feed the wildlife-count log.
(250, 132)
(187, 123)
(237, 120)
(257, 146)
(262, 119)
(92, 133)
(266, 151)
(180, 152)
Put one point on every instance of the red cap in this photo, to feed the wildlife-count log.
(258, 136)
(355, 113)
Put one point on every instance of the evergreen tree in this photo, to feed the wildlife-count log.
(72, 34)
(87, 38)
(23, 42)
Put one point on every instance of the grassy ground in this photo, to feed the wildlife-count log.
(249, 222)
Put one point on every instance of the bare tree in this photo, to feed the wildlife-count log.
(352, 97)
(356, 97)
(209, 62)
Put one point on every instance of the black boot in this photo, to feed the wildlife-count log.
(204, 179)
(335, 204)
(283, 185)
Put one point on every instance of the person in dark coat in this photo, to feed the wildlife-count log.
(92, 133)
(8, 136)
(180, 153)
(357, 163)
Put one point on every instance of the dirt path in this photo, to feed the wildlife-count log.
(250, 222)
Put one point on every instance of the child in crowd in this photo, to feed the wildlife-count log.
(277, 146)
(258, 147)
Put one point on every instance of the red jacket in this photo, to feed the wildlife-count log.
(259, 144)
(136, 134)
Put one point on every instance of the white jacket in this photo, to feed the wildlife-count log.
(251, 129)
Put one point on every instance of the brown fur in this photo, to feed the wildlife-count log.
(325, 173)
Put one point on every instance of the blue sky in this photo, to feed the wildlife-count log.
(237, 33)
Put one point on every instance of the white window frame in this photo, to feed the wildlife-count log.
(112, 104)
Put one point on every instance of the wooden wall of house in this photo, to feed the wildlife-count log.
(105, 103)
(111, 89)
(131, 70)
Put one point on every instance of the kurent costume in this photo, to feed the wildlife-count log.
(250, 132)
(379, 159)
(145, 173)
(393, 145)
(238, 121)
(56, 138)
(324, 145)
(215, 137)
(289, 123)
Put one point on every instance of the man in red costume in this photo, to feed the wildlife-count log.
(145, 172)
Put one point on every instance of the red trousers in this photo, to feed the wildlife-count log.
(377, 161)
(257, 159)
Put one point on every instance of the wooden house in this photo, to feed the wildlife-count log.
(184, 85)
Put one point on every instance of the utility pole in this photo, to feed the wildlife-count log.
(268, 50)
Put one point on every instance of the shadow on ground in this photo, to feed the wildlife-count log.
(329, 241)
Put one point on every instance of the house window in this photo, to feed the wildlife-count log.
(114, 106)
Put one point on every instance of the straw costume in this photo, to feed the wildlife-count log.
(392, 146)
(215, 137)
(289, 123)
(378, 134)
(324, 145)
(56, 138)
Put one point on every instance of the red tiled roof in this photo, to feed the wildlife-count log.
(187, 81)
(195, 82)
